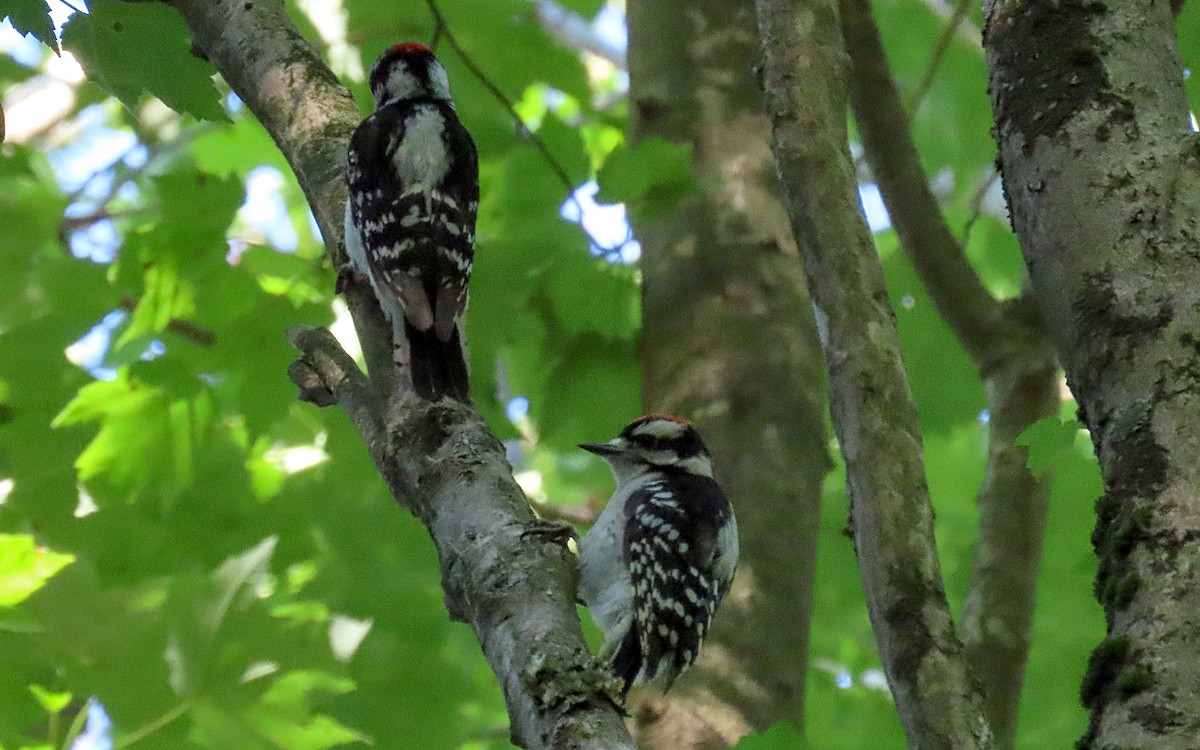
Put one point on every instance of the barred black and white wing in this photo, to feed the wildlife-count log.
(680, 546)
(414, 195)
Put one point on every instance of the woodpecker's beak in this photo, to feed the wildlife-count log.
(601, 449)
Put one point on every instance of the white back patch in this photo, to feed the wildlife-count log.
(420, 157)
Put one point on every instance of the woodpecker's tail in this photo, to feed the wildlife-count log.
(627, 662)
(438, 367)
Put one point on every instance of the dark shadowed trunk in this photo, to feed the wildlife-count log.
(729, 341)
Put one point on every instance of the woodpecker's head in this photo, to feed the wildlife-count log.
(408, 71)
(655, 441)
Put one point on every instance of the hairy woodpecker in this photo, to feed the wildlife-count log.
(662, 553)
(410, 219)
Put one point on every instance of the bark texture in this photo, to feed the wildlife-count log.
(439, 460)
(729, 340)
(805, 72)
(1101, 172)
(1016, 363)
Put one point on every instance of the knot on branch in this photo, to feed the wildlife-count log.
(323, 367)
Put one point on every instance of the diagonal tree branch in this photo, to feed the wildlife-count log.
(953, 285)
(439, 460)
(1014, 359)
(892, 521)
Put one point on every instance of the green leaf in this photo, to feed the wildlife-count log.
(284, 712)
(592, 392)
(31, 17)
(25, 567)
(199, 607)
(237, 576)
(1047, 439)
(589, 295)
(131, 48)
(782, 736)
(51, 702)
(630, 173)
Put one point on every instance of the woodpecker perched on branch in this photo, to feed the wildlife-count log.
(410, 219)
(662, 553)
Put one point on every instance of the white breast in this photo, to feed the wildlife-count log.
(603, 578)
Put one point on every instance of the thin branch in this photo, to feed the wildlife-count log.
(952, 283)
(976, 206)
(196, 334)
(939, 703)
(967, 31)
(1013, 357)
(442, 29)
(939, 54)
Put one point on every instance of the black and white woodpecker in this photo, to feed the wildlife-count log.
(410, 219)
(661, 556)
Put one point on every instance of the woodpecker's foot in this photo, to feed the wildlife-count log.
(348, 276)
(555, 532)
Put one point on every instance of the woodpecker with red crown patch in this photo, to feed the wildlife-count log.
(413, 175)
(662, 554)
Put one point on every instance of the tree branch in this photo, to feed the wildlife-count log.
(441, 463)
(892, 521)
(438, 460)
(1013, 358)
(952, 283)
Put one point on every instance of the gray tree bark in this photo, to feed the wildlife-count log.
(438, 460)
(1102, 173)
(804, 77)
(1015, 361)
(729, 340)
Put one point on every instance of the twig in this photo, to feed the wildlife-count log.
(939, 53)
(976, 207)
(966, 30)
(442, 29)
(198, 335)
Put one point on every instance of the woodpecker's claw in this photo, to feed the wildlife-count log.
(348, 276)
(555, 532)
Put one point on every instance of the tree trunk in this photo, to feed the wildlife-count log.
(1102, 176)
(729, 341)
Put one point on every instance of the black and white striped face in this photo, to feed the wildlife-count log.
(408, 71)
(656, 441)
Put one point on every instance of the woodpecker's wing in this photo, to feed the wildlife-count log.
(673, 547)
(414, 188)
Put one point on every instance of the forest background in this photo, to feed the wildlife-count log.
(216, 564)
